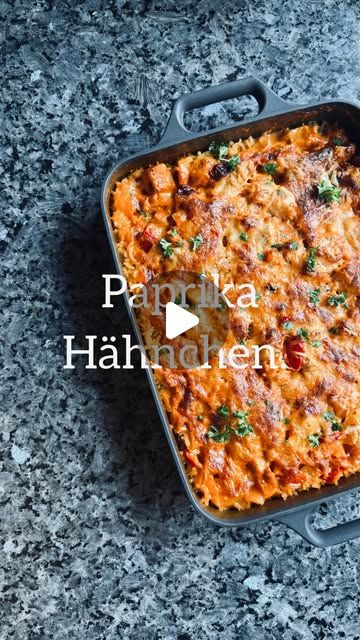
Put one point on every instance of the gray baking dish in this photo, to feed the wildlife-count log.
(274, 113)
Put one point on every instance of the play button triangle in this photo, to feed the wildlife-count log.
(178, 320)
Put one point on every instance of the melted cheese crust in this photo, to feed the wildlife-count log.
(306, 423)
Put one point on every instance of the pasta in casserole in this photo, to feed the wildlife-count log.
(283, 212)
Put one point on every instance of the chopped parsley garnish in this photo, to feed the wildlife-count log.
(330, 417)
(219, 436)
(337, 300)
(243, 236)
(334, 331)
(178, 299)
(240, 414)
(173, 231)
(314, 296)
(314, 439)
(338, 141)
(218, 149)
(335, 426)
(288, 325)
(311, 260)
(270, 168)
(233, 162)
(303, 333)
(257, 296)
(143, 213)
(315, 343)
(243, 428)
(196, 242)
(239, 425)
(261, 256)
(166, 247)
(223, 411)
(328, 191)
(287, 420)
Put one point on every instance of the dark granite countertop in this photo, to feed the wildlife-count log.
(98, 539)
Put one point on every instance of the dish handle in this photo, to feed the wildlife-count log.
(299, 521)
(269, 104)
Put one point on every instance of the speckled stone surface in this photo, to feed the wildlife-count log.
(98, 540)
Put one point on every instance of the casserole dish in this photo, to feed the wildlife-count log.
(177, 141)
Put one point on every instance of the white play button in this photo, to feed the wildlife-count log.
(177, 336)
(178, 320)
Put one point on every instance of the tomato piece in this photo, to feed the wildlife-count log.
(148, 238)
(294, 353)
(293, 476)
(334, 475)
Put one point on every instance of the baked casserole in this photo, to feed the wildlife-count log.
(281, 212)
